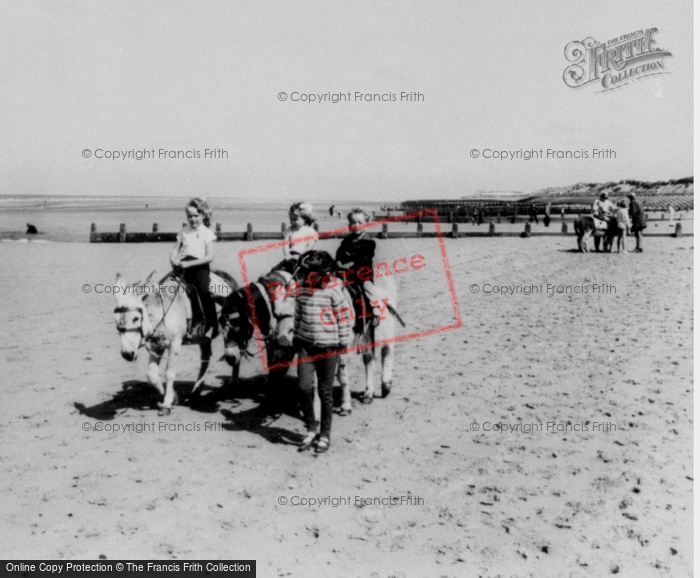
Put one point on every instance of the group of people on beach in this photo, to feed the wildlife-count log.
(627, 216)
(316, 338)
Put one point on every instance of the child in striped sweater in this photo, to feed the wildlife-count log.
(320, 330)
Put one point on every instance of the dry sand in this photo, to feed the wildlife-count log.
(588, 503)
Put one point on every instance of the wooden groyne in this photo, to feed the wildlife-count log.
(122, 236)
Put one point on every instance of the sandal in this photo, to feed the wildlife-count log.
(310, 440)
(323, 445)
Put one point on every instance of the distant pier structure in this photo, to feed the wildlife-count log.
(467, 209)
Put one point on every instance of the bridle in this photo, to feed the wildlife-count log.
(153, 335)
(232, 321)
(121, 324)
(250, 319)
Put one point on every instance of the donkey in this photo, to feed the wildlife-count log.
(375, 341)
(155, 317)
(585, 226)
(265, 305)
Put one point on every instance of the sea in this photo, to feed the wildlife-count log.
(68, 219)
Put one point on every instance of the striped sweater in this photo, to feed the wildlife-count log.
(314, 322)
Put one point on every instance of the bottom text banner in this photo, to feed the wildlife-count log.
(233, 568)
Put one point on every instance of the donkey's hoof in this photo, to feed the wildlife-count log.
(386, 388)
(344, 412)
(164, 411)
(367, 398)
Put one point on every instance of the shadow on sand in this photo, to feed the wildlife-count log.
(134, 394)
(590, 251)
(273, 401)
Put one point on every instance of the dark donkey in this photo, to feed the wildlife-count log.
(250, 307)
(264, 305)
(585, 227)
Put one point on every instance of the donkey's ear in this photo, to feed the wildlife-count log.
(119, 281)
(148, 287)
(146, 325)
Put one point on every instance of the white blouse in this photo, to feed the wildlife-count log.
(295, 245)
(193, 242)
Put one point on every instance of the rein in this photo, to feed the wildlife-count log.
(152, 336)
(273, 320)
(259, 296)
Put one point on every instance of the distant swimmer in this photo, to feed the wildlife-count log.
(31, 229)
(331, 210)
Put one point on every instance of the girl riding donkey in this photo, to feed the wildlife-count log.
(376, 296)
(300, 237)
(355, 252)
(191, 256)
(160, 318)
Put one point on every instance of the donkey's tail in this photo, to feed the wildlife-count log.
(395, 313)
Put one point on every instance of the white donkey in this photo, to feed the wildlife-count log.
(155, 316)
(375, 344)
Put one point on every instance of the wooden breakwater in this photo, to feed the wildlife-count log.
(453, 232)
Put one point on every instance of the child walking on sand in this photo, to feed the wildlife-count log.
(192, 253)
(319, 332)
(623, 223)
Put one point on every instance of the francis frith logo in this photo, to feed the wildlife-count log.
(615, 63)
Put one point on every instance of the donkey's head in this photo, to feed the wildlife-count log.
(237, 326)
(131, 316)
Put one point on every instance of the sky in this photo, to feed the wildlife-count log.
(86, 78)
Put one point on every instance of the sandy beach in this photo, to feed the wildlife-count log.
(612, 495)
(540, 417)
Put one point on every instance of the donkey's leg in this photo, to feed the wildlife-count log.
(387, 367)
(153, 373)
(235, 372)
(205, 351)
(584, 241)
(368, 358)
(170, 372)
(346, 406)
(610, 240)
